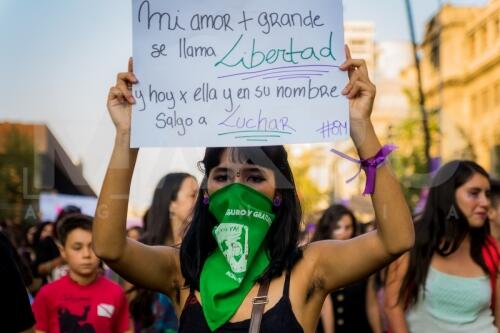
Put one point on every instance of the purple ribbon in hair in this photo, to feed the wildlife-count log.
(369, 165)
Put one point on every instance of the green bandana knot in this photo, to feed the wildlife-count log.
(244, 217)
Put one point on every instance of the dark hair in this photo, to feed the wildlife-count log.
(67, 210)
(364, 228)
(329, 220)
(495, 193)
(282, 238)
(158, 226)
(71, 222)
(25, 241)
(38, 232)
(442, 227)
(9, 249)
(158, 231)
(145, 220)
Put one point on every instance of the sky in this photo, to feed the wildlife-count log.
(58, 59)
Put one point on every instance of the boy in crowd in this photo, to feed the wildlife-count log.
(494, 211)
(83, 300)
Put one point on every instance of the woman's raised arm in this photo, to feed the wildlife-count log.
(394, 235)
(156, 267)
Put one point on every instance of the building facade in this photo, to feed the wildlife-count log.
(461, 81)
(32, 161)
(360, 37)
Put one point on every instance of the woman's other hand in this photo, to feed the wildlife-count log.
(120, 100)
(360, 90)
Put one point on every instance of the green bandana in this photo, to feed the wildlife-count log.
(244, 217)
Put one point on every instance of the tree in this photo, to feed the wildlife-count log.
(310, 195)
(17, 169)
(410, 163)
(426, 130)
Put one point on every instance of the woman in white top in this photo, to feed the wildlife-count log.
(446, 283)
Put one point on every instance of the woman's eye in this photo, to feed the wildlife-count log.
(220, 178)
(256, 179)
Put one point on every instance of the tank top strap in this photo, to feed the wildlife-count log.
(286, 285)
(191, 299)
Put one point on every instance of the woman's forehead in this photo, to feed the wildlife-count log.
(239, 167)
(345, 219)
(244, 158)
(237, 162)
(477, 180)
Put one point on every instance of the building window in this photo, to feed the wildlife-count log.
(497, 28)
(473, 105)
(435, 53)
(497, 94)
(483, 33)
(485, 96)
(358, 42)
(472, 45)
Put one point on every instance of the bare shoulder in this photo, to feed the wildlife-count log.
(314, 250)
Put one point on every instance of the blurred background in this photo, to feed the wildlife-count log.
(436, 65)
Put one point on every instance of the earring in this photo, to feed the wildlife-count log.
(277, 201)
(205, 199)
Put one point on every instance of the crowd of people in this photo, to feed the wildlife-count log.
(227, 255)
(453, 262)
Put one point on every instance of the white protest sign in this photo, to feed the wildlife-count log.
(238, 73)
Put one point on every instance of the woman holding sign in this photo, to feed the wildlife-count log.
(240, 257)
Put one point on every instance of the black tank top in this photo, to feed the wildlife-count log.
(280, 318)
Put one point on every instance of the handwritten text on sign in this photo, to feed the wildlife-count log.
(238, 73)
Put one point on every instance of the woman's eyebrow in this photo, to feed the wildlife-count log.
(220, 169)
(252, 169)
(476, 188)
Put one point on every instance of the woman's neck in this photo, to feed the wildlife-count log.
(177, 231)
(463, 249)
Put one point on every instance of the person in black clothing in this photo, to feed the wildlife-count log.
(15, 308)
(353, 308)
(47, 256)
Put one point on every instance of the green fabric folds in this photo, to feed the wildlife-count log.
(244, 217)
